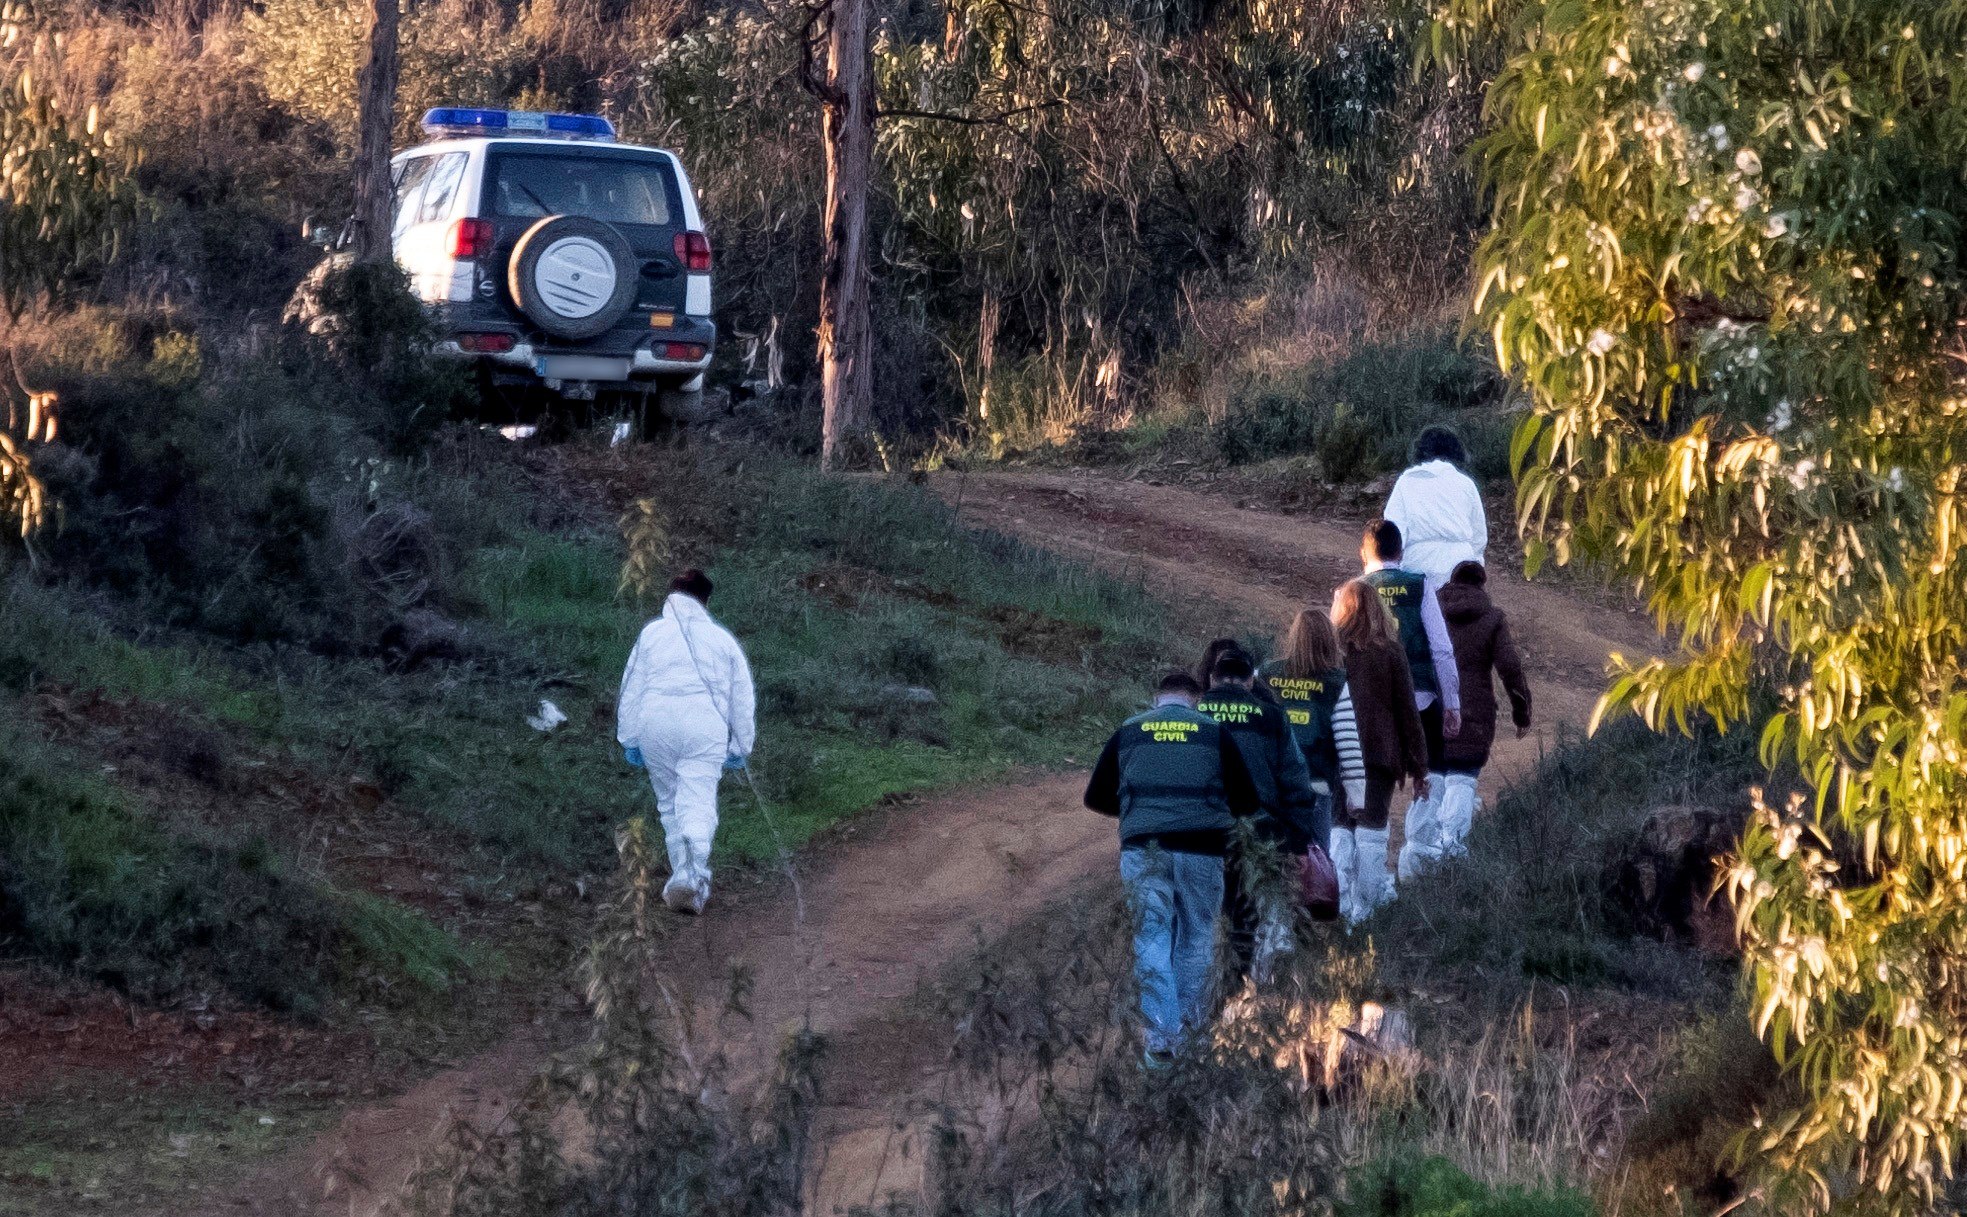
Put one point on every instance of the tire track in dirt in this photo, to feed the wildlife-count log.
(902, 897)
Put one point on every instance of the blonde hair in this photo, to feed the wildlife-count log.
(1361, 620)
(1310, 646)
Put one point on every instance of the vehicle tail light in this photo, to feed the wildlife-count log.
(682, 352)
(485, 344)
(471, 238)
(693, 251)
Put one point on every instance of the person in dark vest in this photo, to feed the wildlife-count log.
(1177, 782)
(1205, 671)
(1289, 822)
(1412, 599)
(1392, 746)
(1310, 684)
(1484, 651)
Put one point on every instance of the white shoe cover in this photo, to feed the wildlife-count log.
(1345, 860)
(1423, 845)
(686, 893)
(1375, 880)
(1457, 814)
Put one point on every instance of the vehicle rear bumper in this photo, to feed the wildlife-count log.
(621, 354)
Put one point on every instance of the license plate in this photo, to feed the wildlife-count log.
(582, 367)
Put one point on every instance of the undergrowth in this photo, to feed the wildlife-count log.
(1331, 1093)
(88, 881)
(895, 651)
(1358, 413)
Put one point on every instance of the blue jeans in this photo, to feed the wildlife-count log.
(1321, 821)
(1176, 898)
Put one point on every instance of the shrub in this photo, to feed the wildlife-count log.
(242, 491)
(1529, 899)
(1358, 414)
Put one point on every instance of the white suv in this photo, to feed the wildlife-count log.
(555, 257)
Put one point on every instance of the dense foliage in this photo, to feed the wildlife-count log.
(1078, 205)
(1726, 267)
(63, 196)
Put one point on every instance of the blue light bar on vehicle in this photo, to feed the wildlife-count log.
(469, 120)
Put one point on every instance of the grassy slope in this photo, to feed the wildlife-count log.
(328, 836)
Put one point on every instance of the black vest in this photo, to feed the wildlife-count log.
(1171, 775)
(1403, 592)
(1309, 703)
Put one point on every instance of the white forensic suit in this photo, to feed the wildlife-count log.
(687, 704)
(1439, 512)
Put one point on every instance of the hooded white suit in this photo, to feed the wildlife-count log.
(687, 703)
(1439, 512)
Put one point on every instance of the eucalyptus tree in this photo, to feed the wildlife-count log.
(64, 197)
(1725, 268)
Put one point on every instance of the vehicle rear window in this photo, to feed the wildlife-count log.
(410, 177)
(616, 189)
(441, 188)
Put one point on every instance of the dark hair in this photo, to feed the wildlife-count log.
(694, 584)
(1384, 537)
(1471, 572)
(1210, 654)
(1180, 682)
(1233, 665)
(1439, 444)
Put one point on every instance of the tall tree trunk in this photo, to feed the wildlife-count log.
(376, 118)
(846, 374)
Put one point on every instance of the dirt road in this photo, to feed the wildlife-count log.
(910, 892)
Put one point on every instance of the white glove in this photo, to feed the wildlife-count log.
(1355, 793)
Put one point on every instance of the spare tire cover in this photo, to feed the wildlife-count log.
(573, 277)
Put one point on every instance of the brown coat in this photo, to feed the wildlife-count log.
(1483, 651)
(1382, 687)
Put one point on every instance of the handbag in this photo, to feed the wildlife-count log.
(1318, 884)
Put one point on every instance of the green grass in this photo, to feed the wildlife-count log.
(93, 882)
(846, 594)
(1434, 1187)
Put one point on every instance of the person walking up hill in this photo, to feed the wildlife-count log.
(1289, 820)
(686, 713)
(1411, 597)
(1392, 746)
(1177, 783)
(1438, 508)
(1205, 670)
(1484, 651)
(1310, 683)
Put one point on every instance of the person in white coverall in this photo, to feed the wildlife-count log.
(1438, 509)
(1411, 597)
(687, 714)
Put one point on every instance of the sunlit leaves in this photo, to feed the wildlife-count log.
(63, 193)
(64, 199)
(1726, 269)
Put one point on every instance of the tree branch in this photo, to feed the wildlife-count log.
(970, 120)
